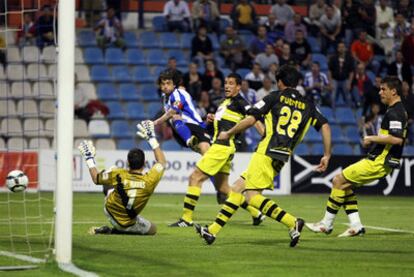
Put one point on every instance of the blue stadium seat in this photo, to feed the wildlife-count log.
(116, 111)
(142, 74)
(159, 23)
(100, 73)
(153, 109)
(107, 92)
(186, 39)
(149, 93)
(86, 38)
(144, 145)
(302, 149)
(170, 40)
(180, 56)
(171, 145)
(314, 44)
(337, 134)
(408, 150)
(247, 38)
(353, 135)
(156, 57)
(345, 116)
(243, 72)
(120, 73)
(129, 92)
(357, 149)
(312, 136)
(214, 41)
(317, 149)
(371, 76)
(136, 111)
(121, 129)
(93, 55)
(328, 113)
(135, 57)
(130, 39)
(126, 144)
(224, 23)
(221, 63)
(148, 40)
(157, 70)
(323, 61)
(114, 56)
(343, 149)
(226, 71)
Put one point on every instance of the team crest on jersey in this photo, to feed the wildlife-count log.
(178, 104)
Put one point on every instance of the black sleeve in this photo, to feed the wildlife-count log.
(396, 123)
(263, 106)
(318, 119)
(243, 106)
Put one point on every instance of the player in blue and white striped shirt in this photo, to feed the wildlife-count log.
(189, 128)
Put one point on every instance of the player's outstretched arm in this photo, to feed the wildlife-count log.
(147, 132)
(167, 115)
(87, 150)
(387, 139)
(327, 148)
(260, 127)
(240, 127)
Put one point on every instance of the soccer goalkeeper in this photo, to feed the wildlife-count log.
(129, 189)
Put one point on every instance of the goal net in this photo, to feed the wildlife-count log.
(27, 124)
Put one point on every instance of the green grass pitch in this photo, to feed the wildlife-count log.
(241, 249)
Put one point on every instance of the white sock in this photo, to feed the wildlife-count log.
(354, 220)
(328, 219)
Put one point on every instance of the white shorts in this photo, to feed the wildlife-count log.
(140, 227)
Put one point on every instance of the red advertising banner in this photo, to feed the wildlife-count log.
(24, 161)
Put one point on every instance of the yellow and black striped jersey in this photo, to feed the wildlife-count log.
(393, 123)
(287, 116)
(131, 192)
(230, 112)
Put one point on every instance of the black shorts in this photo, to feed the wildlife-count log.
(196, 130)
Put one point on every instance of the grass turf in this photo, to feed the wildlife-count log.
(241, 249)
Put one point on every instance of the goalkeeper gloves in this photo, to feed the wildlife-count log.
(87, 150)
(146, 131)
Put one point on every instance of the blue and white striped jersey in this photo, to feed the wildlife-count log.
(181, 101)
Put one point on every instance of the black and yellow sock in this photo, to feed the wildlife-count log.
(190, 201)
(335, 201)
(252, 210)
(351, 203)
(272, 210)
(229, 207)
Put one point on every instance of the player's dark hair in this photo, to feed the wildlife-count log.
(236, 77)
(393, 82)
(288, 75)
(136, 158)
(170, 74)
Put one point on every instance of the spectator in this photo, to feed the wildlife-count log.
(317, 85)
(408, 101)
(201, 46)
(244, 16)
(301, 50)
(362, 50)
(267, 58)
(361, 85)
(279, 46)
(255, 77)
(384, 26)
(267, 88)
(330, 24)
(216, 92)
(210, 72)
(26, 33)
(401, 69)
(248, 93)
(292, 26)
(92, 9)
(206, 13)
(172, 65)
(110, 31)
(350, 19)
(204, 106)
(272, 74)
(405, 8)
(341, 68)
(192, 81)
(401, 30)
(272, 26)
(85, 106)
(116, 5)
(232, 49)
(45, 28)
(407, 47)
(286, 56)
(316, 10)
(3, 48)
(367, 17)
(258, 44)
(283, 12)
(372, 123)
(177, 14)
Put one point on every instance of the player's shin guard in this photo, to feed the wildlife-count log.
(351, 208)
(190, 201)
(335, 201)
(272, 210)
(252, 210)
(182, 130)
(227, 210)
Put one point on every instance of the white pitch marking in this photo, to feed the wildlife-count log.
(385, 229)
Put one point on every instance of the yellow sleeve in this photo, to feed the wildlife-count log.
(108, 177)
(154, 175)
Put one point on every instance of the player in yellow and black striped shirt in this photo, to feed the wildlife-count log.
(287, 116)
(385, 155)
(129, 189)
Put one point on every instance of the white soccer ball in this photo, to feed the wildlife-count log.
(17, 181)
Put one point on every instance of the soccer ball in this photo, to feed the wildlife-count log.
(17, 181)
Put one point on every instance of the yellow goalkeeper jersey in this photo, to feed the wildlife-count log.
(131, 192)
